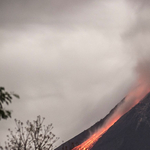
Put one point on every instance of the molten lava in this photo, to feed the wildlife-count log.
(89, 143)
(131, 100)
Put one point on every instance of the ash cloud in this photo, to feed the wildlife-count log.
(138, 38)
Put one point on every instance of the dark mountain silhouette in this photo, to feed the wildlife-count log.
(130, 132)
(77, 140)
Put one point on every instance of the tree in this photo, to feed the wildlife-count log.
(5, 98)
(34, 136)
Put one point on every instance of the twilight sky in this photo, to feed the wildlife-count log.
(71, 61)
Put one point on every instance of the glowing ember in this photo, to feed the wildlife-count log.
(131, 100)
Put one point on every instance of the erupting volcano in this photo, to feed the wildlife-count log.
(132, 99)
(88, 144)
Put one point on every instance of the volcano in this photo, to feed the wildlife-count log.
(80, 138)
(130, 132)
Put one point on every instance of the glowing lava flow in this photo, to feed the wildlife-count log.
(89, 143)
(133, 98)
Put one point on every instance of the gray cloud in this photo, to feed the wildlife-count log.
(66, 60)
(137, 37)
(37, 11)
(66, 14)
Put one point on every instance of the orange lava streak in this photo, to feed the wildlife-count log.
(89, 143)
(131, 100)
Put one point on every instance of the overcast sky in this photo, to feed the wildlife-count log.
(71, 61)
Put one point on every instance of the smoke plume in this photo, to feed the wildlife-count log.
(137, 39)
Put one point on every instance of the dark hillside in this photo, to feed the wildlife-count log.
(130, 132)
(77, 140)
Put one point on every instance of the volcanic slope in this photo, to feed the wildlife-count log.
(77, 140)
(130, 132)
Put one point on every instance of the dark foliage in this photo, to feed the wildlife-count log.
(34, 136)
(5, 98)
